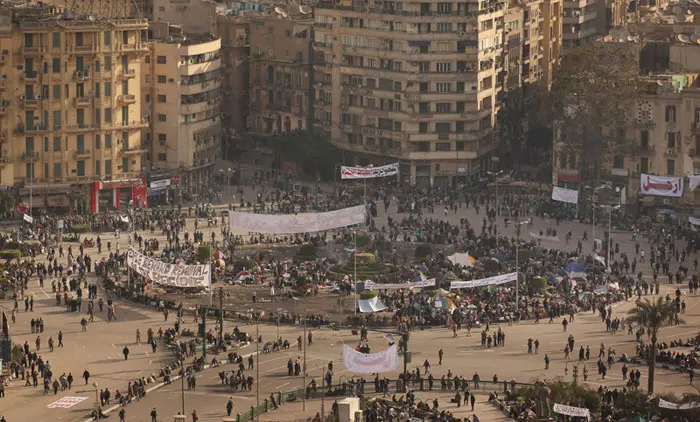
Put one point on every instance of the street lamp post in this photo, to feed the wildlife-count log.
(495, 179)
(257, 370)
(354, 237)
(517, 271)
(303, 341)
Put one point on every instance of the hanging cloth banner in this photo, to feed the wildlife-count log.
(572, 411)
(694, 181)
(297, 223)
(165, 274)
(685, 406)
(489, 281)
(347, 172)
(694, 221)
(371, 305)
(565, 195)
(371, 285)
(545, 238)
(384, 361)
(28, 218)
(661, 185)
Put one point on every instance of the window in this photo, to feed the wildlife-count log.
(80, 144)
(161, 79)
(442, 127)
(108, 115)
(424, 108)
(56, 65)
(97, 66)
(108, 145)
(459, 145)
(644, 139)
(108, 165)
(108, 38)
(56, 39)
(443, 67)
(108, 89)
(162, 98)
(57, 92)
(98, 142)
(162, 118)
(644, 165)
(161, 60)
(671, 114)
(460, 86)
(57, 144)
(46, 144)
(98, 168)
(460, 106)
(424, 87)
(444, 27)
(148, 98)
(459, 128)
(162, 138)
(125, 164)
(81, 167)
(108, 63)
(671, 139)
(148, 59)
(57, 170)
(670, 167)
(618, 162)
(423, 127)
(444, 87)
(162, 156)
(442, 146)
(443, 107)
(57, 119)
(97, 90)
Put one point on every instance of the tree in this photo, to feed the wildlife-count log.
(652, 316)
(7, 203)
(313, 154)
(591, 102)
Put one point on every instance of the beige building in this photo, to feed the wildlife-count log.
(421, 82)
(584, 21)
(70, 127)
(181, 95)
(194, 16)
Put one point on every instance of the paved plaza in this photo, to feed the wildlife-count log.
(99, 350)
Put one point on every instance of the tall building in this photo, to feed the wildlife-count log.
(181, 95)
(420, 82)
(584, 21)
(70, 132)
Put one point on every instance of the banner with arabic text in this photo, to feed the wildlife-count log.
(488, 281)
(661, 185)
(297, 223)
(165, 274)
(347, 172)
(371, 285)
(384, 361)
(565, 195)
(581, 412)
(685, 406)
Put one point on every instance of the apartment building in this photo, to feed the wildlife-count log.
(421, 82)
(181, 94)
(583, 21)
(70, 115)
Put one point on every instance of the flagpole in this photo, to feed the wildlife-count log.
(354, 235)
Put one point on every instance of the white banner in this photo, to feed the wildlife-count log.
(166, 274)
(581, 412)
(661, 185)
(371, 305)
(28, 218)
(347, 172)
(545, 238)
(685, 406)
(297, 223)
(489, 281)
(565, 195)
(371, 285)
(694, 181)
(694, 221)
(600, 259)
(384, 361)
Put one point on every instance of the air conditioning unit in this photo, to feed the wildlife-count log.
(670, 151)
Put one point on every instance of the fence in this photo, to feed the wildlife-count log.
(345, 389)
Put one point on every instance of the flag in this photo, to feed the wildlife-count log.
(597, 245)
(600, 259)
(420, 277)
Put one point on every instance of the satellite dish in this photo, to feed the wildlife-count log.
(615, 33)
(677, 10)
(304, 10)
(681, 18)
(684, 38)
(695, 38)
(278, 10)
(91, 18)
(284, 14)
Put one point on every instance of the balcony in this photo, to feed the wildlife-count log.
(85, 48)
(134, 124)
(29, 103)
(81, 76)
(619, 172)
(3, 82)
(127, 73)
(127, 99)
(40, 128)
(30, 77)
(5, 161)
(29, 156)
(81, 102)
(135, 47)
(82, 154)
(671, 152)
(80, 128)
(647, 149)
(695, 127)
(31, 50)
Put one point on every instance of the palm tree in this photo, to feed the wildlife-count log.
(652, 316)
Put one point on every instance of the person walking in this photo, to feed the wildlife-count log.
(154, 415)
(229, 406)
(125, 351)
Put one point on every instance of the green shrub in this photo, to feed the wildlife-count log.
(538, 284)
(204, 253)
(307, 250)
(10, 254)
(492, 265)
(368, 294)
(365, 258)
(80, 228)
(423, 250)
(362, 240)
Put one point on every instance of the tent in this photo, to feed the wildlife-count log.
(575, 270)
(462, 259)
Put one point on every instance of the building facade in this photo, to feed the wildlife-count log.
(71, 123)
(420, 82)
(182, 95)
